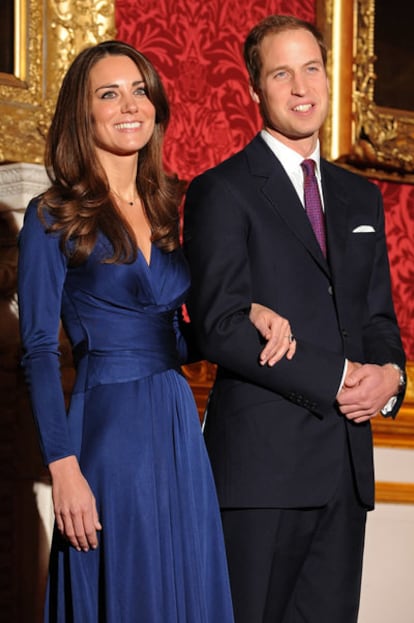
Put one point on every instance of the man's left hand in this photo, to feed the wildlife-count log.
(367, 390)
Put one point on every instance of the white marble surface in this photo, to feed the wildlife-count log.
(387, 581)
(19, 182)
(394, 465)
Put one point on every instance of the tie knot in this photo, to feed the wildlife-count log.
(308, 167)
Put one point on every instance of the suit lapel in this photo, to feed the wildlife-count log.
(336, 214)
(277, 189)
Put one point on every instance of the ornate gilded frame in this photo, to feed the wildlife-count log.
(48, 34)
(359, 134)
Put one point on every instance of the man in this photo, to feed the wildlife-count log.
(290, 444)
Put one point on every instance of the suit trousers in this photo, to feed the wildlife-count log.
(298, 565)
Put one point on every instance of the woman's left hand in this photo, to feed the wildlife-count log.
(276, 330)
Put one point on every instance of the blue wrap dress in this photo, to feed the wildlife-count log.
(133, 424)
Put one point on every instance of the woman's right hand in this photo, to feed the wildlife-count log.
(74, 504)
(276, 330)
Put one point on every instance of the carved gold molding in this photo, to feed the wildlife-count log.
(398, 433)
(51, 33)
(394, 492)
(377, 141)
(200, 376)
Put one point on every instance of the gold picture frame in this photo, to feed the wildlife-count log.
(14, 32)
(47, 36)
(359, 134)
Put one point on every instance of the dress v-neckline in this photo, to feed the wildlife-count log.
(149, 261)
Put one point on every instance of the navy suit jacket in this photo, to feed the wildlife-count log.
(275, 435)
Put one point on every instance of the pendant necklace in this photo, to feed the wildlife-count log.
(128, 201)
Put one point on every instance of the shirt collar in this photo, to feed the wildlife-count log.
(289, 158)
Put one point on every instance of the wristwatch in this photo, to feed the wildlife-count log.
(387, 410)
(402, 379)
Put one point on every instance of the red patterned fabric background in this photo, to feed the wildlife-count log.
(196, 47)
(399, 214)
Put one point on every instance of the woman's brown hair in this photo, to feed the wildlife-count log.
(79, 200)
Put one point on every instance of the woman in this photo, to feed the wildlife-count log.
(129, 470)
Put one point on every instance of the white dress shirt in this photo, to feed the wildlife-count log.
(291, 162)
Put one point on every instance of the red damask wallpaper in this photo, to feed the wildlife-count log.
(399, 214)
(196, 47)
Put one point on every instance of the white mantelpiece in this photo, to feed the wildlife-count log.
(19, 182)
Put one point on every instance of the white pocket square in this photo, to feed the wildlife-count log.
(363, 229)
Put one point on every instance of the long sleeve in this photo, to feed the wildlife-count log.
(217, 231)
(41, 276)
(382, 342)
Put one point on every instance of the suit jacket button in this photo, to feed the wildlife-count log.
(330, 290)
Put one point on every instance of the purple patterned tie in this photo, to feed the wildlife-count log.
(313, 206)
